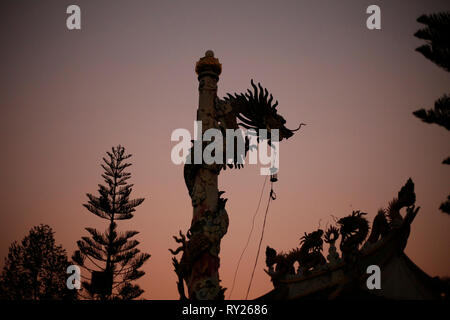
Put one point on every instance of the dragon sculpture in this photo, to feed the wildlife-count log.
(308, 256)
(255, 110)
(252, 110)
(331, 236)
(352, 230)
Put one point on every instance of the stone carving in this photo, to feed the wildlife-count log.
(199, 264)
(352, 231)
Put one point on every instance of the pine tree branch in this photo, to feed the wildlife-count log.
(440, 115)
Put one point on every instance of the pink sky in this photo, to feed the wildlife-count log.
(128, 78)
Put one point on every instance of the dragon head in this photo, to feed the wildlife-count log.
(255, 111)
(313, 240)
(351, 224)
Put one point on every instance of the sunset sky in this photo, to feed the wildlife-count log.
(128, 78)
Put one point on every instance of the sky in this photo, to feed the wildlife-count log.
(127, 77)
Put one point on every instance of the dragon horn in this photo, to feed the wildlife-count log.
(270, 100)
(261, 92)
(274, 107)
(254, 89)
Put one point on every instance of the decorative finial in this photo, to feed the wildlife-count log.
(209, 64)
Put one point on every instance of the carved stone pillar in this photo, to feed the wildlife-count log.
(210, 220)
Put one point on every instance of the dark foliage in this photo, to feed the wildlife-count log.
(445, 206)
(437, 49)
(116, 254)
(436, 34)
(35, 268)
(440, 115)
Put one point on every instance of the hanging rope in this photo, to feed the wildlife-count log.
(272, 196)
(248, 239)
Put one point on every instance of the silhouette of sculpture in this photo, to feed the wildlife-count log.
(309, 257)
(345, 276)
(200, 247)
(354, 229)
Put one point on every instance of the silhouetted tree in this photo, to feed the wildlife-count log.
(436, 31)
(437, 35)
(114, 258)
(35, 268)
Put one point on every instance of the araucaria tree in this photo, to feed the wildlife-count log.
(114, 259)
(437, 49)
